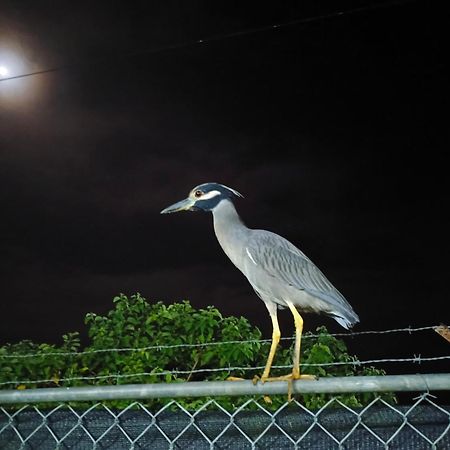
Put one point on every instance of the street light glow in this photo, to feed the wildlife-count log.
(17, 91)
(3, 71)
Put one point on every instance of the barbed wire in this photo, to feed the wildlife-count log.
(210, 39)
(213, 343)
(417, 359)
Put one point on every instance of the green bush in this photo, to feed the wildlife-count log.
(154, 343)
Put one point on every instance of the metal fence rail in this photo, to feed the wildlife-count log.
(397, 383)
(254, 425)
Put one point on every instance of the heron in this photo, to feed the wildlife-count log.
(281, 274)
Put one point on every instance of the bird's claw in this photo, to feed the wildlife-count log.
(234, 379)
(255, 379)
(289, 378)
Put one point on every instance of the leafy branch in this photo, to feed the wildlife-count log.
(136, 323)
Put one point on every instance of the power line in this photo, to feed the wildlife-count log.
(220, 37)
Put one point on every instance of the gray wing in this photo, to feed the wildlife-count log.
(282, 260)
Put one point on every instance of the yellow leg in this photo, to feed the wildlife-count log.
(295, 375)
(298, 321)
(276, 334)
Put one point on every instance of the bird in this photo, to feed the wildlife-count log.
(281, 275)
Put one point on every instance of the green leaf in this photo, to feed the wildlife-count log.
(133, 322)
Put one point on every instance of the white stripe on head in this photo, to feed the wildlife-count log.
(210, 195)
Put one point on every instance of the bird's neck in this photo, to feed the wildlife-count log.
(226, 217)
(229, 228)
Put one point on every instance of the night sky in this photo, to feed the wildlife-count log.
(335, 130)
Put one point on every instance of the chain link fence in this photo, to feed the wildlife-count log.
(424, 424)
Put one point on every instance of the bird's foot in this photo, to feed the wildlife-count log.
(234, 379)
(289, 378)
(254, 380)
(294, 375)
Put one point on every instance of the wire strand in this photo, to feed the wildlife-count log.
(221, 37)
(416, 359)
(215, 343)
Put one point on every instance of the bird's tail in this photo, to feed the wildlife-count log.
(346, 319)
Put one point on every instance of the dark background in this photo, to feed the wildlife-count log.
(332, 128)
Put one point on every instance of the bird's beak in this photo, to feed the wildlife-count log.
(184, 205)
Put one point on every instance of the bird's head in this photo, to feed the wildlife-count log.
(204, 197)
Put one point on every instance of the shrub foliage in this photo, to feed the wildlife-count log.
(142, 342)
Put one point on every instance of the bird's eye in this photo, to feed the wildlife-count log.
(198, 194)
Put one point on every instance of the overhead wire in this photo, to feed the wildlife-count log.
(219, 37)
